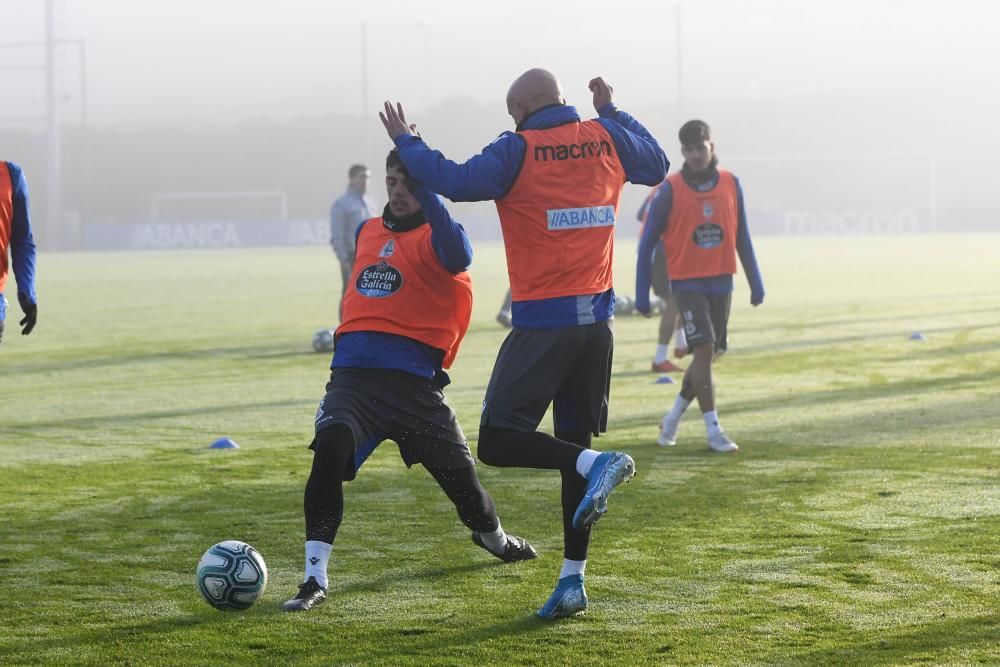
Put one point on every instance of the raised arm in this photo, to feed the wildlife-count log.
(644, 161)
(451, 244)
(484, 177)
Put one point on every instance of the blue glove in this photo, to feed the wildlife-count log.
(756, 298)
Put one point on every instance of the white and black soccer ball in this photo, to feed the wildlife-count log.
(323, 340)
(231, 575)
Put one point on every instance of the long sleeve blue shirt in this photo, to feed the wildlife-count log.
(652, 234)
(22, 242)
(491, 174)
(375, 349)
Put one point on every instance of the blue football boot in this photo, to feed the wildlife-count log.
(609, 470)
(567, 599)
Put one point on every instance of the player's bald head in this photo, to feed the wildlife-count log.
(531, 91)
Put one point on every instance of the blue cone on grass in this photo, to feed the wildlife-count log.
(916, 335)
(224, 443)
(665, 379)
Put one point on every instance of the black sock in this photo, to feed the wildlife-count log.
(575, 542)
(324, 495)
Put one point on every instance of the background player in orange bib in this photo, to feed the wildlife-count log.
(700, 218)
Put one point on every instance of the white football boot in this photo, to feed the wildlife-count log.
(720, 442)
(668, 433)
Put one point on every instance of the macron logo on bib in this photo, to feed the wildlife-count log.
(561, 219)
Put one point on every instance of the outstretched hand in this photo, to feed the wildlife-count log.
(602, 93)
(394, 120)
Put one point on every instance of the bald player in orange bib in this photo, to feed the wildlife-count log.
(556, 181)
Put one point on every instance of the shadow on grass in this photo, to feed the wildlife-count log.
(900, 335)
(151, 415)
(873, 391)
(798, 325)
(952, 351)
(925, 413)
(946, 641)
(419, 637)
(431, 644)
(268, 351)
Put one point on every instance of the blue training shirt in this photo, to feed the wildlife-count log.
(375, 349)
(491, 174)
(652, 234)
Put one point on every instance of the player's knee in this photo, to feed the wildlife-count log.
(704, 351)
(491, 446)
(487, 444)
(332, 448)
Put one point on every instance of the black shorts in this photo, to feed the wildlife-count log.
(705, 317)
(658, 278)
(383, 404)
(568, 368)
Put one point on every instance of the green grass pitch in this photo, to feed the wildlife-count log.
(859, 524)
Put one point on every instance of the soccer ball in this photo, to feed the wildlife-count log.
(231, 575)
(323, 340)
(624, 305)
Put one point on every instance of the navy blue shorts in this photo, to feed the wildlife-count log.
(705, 318)
(380, 404)
(568, 368)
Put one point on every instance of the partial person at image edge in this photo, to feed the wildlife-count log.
(17, 241)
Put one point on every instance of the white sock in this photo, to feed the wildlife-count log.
(585, 461)
(680, 405)
(661, 354)
(496, 541)
(571, 567)
(712, 423)
(317, 557)
(680, 340)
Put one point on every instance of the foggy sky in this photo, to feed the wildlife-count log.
(224, 61)
(806, 97)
